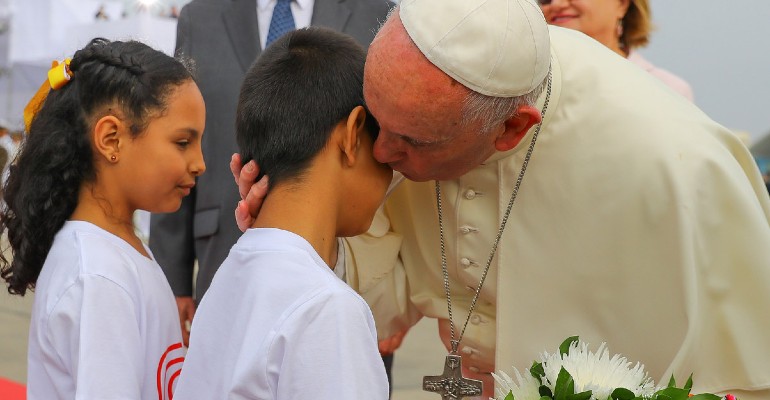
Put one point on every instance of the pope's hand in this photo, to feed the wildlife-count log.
(390, 345)
(252, 194)
(186, 308)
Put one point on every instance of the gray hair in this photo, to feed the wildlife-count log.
(492, 111)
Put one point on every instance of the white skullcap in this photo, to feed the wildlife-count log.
(498, 48)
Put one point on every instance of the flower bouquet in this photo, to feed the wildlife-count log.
(576, 373)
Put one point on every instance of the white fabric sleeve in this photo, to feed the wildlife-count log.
(327, 350)
(94, 330)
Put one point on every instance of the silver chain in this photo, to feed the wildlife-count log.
(456, 343)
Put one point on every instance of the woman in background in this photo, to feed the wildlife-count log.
(621, 25)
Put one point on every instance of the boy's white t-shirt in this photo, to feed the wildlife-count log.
(104, 322)
(277, 323)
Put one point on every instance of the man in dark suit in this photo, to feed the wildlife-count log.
(223, 38)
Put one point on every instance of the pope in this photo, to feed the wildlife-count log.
(554, 189)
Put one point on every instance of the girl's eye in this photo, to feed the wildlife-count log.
(183, 143)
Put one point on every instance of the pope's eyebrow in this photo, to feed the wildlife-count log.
(421, 142)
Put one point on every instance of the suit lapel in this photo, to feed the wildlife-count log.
(331, 14)
(241, 23)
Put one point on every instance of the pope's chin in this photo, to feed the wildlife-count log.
(430, 176)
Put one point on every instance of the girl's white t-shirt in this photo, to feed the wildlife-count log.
(104, 322)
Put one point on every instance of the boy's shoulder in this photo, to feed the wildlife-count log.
(282, 267)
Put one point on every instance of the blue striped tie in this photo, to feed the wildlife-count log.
(282, 21)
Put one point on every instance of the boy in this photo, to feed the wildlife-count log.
(277, 323)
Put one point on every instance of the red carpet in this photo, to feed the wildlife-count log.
(10, 390)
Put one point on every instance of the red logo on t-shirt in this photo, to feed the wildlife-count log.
(169, 368)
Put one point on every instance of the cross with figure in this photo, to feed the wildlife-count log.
(451, 385)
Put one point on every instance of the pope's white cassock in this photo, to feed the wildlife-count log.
(640, 222)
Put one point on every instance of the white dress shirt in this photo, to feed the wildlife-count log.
(302, 10)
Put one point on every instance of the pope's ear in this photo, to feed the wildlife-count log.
(354, 127)
(516, 127)
(107, 135)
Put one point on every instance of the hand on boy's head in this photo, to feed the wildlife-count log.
(252, 194)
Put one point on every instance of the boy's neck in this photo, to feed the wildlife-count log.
(306, 210)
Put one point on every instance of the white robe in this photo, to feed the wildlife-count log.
(640, 222)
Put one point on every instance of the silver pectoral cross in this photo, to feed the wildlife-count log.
(451, 385)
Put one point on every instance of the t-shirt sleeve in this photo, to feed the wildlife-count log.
(94, 329)
(327, 349)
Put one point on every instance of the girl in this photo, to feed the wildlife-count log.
(119, 130)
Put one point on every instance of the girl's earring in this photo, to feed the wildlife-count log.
(113, 158)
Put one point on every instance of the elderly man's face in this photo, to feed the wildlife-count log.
(419, 109)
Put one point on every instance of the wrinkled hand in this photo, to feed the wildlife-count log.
(186, 307)
(390, 345)
(252, 194)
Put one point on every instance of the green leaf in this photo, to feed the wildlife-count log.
(564, 347)
(705, 396)
(545, 391)
(510, 396)
(537, 370)
(546, 398)
(622, 394)
(672, 381)
(565, 385)
(580, 396)
(688, 385)
(673, 393)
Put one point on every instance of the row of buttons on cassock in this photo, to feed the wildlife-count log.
(465, 262)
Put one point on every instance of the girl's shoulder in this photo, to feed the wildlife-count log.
(84, 252)
(81, 248)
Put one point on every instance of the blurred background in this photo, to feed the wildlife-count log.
(714, 45)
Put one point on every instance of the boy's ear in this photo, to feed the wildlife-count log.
(107, 134)
(354, 127)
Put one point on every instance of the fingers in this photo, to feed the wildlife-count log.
(248, 208)
(186, 307)
(386, 347)
(246, 178)
(185, 335)
(256, 196)
(391, 344)
(235, 166)
(242, 217)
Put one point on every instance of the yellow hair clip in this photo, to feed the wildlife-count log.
(58, 76)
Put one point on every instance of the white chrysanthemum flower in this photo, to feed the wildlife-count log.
(524, 388)
(597, 372)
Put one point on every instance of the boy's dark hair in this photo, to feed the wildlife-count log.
(57, 156)
(301, 86)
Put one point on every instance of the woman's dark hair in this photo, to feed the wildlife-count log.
(57, 157)
(301, 86)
